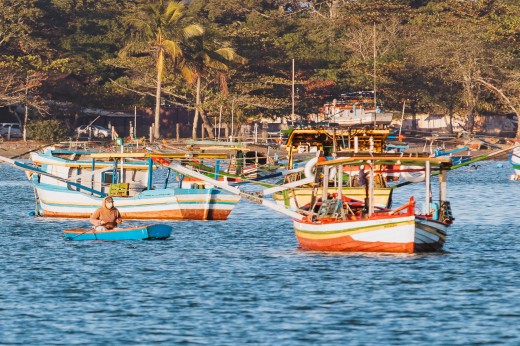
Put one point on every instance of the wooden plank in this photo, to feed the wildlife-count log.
(186, 156)
(388, 160)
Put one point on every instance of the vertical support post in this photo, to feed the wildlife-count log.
(334, 148)
(326, 170)
(134, 135)
(114, 172)
(150, 173)
(178, 131)
(340, 181)
(217, 168)
(371, 189)
(442, 184)
(356, 144)
(219, 123)
(427, 172)
(92, 178)
(167, 178)
(121, 176)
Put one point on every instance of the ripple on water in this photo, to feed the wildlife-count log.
(246, 281)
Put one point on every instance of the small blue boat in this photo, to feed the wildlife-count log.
(149, 232)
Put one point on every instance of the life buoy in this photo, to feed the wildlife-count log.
(412, 178)
(309, 167)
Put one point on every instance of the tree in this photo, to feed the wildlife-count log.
(205, 61)
(157, 30)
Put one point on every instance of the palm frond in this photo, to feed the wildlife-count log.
(216, 65)
(172, 48)
(135, 48)
(174, 11)
(230, 55)
(189, 74)
(192, 30)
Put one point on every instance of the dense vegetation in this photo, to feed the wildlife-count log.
(454, 57)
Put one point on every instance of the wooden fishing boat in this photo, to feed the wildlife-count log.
(355, 109)
(455, 155)
(334, 222)
(297, 197)
(148, 232)
(339, 143)
(242, 162)
(338, 223)
(72, 184)
(515, 162)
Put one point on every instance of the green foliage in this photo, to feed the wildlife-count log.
(49, 130)
(442, 56)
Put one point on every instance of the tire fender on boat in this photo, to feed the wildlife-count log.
(309, 167)
(412, 178)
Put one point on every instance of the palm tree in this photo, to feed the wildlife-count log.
(204, 61)
(157, 30)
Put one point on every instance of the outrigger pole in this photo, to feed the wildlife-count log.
(250, 197)
(24, 167)
(476, 159)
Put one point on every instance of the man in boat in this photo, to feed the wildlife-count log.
(107, 217)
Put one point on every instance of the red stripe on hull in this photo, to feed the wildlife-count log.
(157, 215)
(347, 244)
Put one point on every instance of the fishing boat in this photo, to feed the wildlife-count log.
(356, 109)
(303, 144)
(73, 184)
(515, 162)
(455, 155)
(339, 223)
(149, 232)
(243, 161)
(335, 222)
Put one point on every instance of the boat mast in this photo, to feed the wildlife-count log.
(375, 91)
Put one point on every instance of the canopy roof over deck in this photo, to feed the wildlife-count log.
(443, 162)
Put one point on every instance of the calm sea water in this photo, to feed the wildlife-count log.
(245, 281)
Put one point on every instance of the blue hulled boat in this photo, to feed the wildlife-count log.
(149, 232)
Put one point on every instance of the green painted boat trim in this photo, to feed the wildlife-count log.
(357, 228)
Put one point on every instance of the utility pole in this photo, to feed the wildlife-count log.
(292, 112)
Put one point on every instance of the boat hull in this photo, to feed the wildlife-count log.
(398, 234)
(148, 232)
(170, 204)
(515, 161)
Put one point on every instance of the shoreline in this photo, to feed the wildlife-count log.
(19, 149)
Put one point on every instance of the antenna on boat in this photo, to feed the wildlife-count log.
(375, 77)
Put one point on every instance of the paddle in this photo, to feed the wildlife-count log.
(87, 231)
